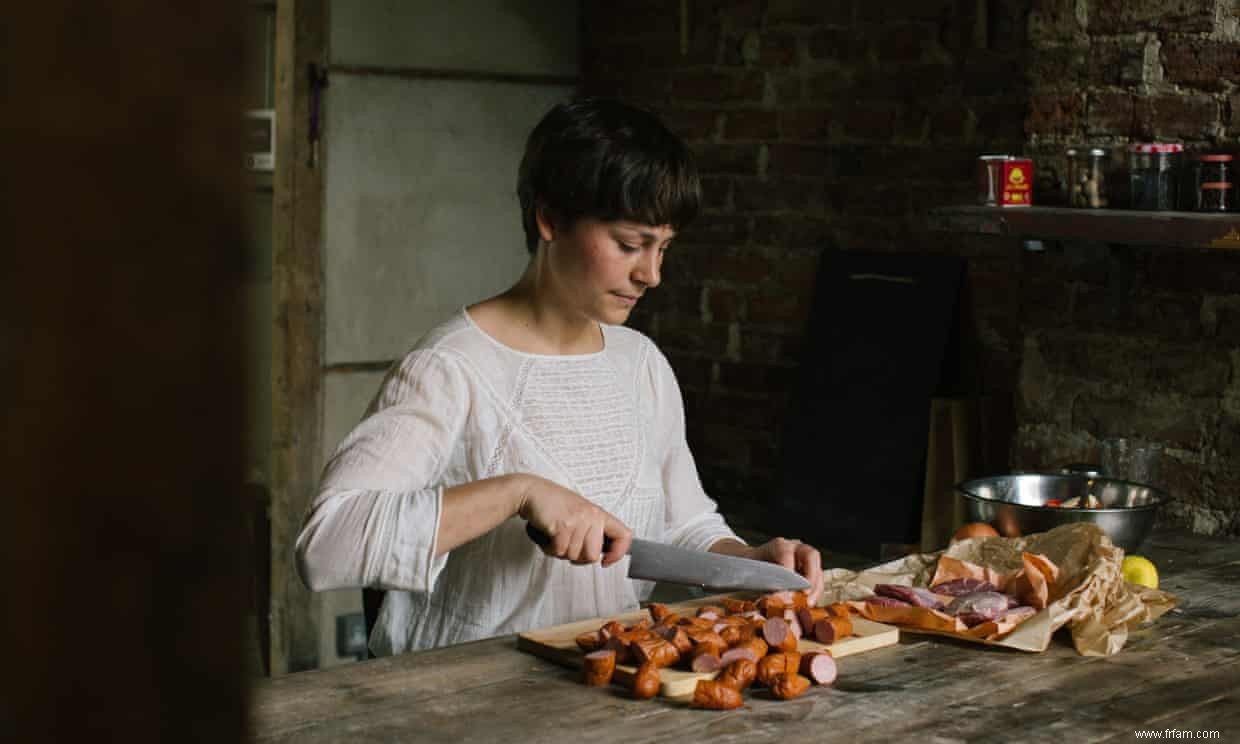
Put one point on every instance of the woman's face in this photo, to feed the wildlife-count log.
(603, 268)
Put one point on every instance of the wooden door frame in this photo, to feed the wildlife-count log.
(297, 332)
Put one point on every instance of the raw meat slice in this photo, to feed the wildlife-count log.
(914, 595)
(960, 587)
(979, 607)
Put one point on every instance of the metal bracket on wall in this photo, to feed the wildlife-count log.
(318, 81)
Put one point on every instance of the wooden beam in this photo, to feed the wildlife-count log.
(1127, 226)
(378, 365)
(430, 73)
(121, 360)
(297, 335)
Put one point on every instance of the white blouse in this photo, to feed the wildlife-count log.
(462, 407)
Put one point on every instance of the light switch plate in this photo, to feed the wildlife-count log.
(260, 140)
(351, 636)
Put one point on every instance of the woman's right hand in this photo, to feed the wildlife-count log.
(575, 525)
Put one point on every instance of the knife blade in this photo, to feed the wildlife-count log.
(655, 561)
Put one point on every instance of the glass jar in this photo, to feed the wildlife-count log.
(990, 178)
(1153, 173)
(1216, 197)
(1087, 172)
(1215, 185)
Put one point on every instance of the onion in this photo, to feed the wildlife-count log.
(975, 529)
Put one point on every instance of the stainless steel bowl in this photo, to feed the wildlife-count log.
(1014, 505)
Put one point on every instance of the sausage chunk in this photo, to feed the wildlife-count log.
(716, 696)
(819, 667)
(599, 667)
(788, 685)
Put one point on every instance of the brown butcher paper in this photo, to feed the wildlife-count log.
(1071, 575)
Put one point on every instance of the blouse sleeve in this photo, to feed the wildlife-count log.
(375, 518)
(691, 518)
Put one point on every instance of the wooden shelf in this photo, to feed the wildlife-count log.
(1186, 229)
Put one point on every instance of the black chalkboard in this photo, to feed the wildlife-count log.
(882, 339)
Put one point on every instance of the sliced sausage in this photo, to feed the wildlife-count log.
(831, 629)
(646, 682)
(715, 695)
(739, 674)
(658, 611)
(818, 667)
(697, 635)
(655, 651)
(621, 647)
(777, 663)
(776, 602)
(737, 606)
(742, 651)
(788, 685)
(757, 644)
(794, 625)
(598, 668)
(698, 623)
(778, 635)
(705, 662)
(609, 629)
(711, 644)
(734, 634)
(810, 615)
(839, 609)
(678, 638)
(591, 641)
(670, 619)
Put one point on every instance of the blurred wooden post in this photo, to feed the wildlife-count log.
(121, 358)
(952, 453)
(297, 336)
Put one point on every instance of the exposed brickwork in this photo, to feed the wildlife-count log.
(1119, 16)
(1200, 63)
(838, 123)
(1158, 365)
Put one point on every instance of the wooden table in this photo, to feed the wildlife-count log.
(1181, 672)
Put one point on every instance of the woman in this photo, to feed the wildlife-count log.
(535, 405)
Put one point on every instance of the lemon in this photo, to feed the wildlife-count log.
(1139, 570)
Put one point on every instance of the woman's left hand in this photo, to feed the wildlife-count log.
(793, 555)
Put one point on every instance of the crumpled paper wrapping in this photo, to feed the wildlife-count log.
(1081, 587)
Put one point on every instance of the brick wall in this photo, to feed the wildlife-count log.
(839, 123)
(1111, 72)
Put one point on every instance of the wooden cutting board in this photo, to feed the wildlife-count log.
(559, 644)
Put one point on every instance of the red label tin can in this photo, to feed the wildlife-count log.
(1017, 181)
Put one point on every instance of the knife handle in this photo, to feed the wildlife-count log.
(542, 539)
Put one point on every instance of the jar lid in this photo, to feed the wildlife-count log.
(1215, 157)
(1081, 150)
(1216, 185)
(1156, 147)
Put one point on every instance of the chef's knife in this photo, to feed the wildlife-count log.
(656, 561)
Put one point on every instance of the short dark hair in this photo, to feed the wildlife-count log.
(606, 160)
